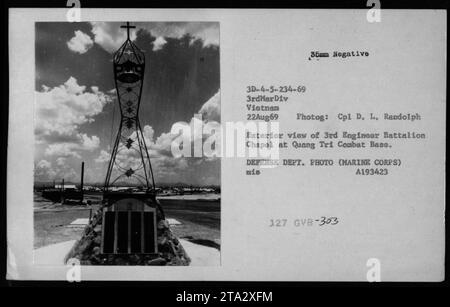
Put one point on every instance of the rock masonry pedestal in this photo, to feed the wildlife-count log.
(88, 250)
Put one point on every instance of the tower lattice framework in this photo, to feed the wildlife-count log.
(129, 164)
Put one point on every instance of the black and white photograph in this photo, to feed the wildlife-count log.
(231, 147)
(108, 188)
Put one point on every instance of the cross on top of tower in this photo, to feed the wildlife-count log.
(128, 27)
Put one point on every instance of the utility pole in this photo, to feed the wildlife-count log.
(62, 192)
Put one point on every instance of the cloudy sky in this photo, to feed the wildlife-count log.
(77, 114)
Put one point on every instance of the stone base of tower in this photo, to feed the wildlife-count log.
(90, 249)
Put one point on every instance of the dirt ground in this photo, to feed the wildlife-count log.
(200, 221)
(51, 226)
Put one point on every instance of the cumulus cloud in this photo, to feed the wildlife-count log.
(148, 134)
(208, 32)
(61, 161)
(103, 157)
(80, 43)
(62, 149)
(88, 143)
(158, 43)
(71, 149)
(209, 35)
(45, 171)
(210, 111)
(161, 146)
(203, 126)
(109, 35)
(62, 109)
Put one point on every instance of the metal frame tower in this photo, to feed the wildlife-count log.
(129, 164)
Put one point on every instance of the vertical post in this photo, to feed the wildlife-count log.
(62, 192)
(142, 232)
(82, 181)
(129, 231)
(116, 230)
(103, 231)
